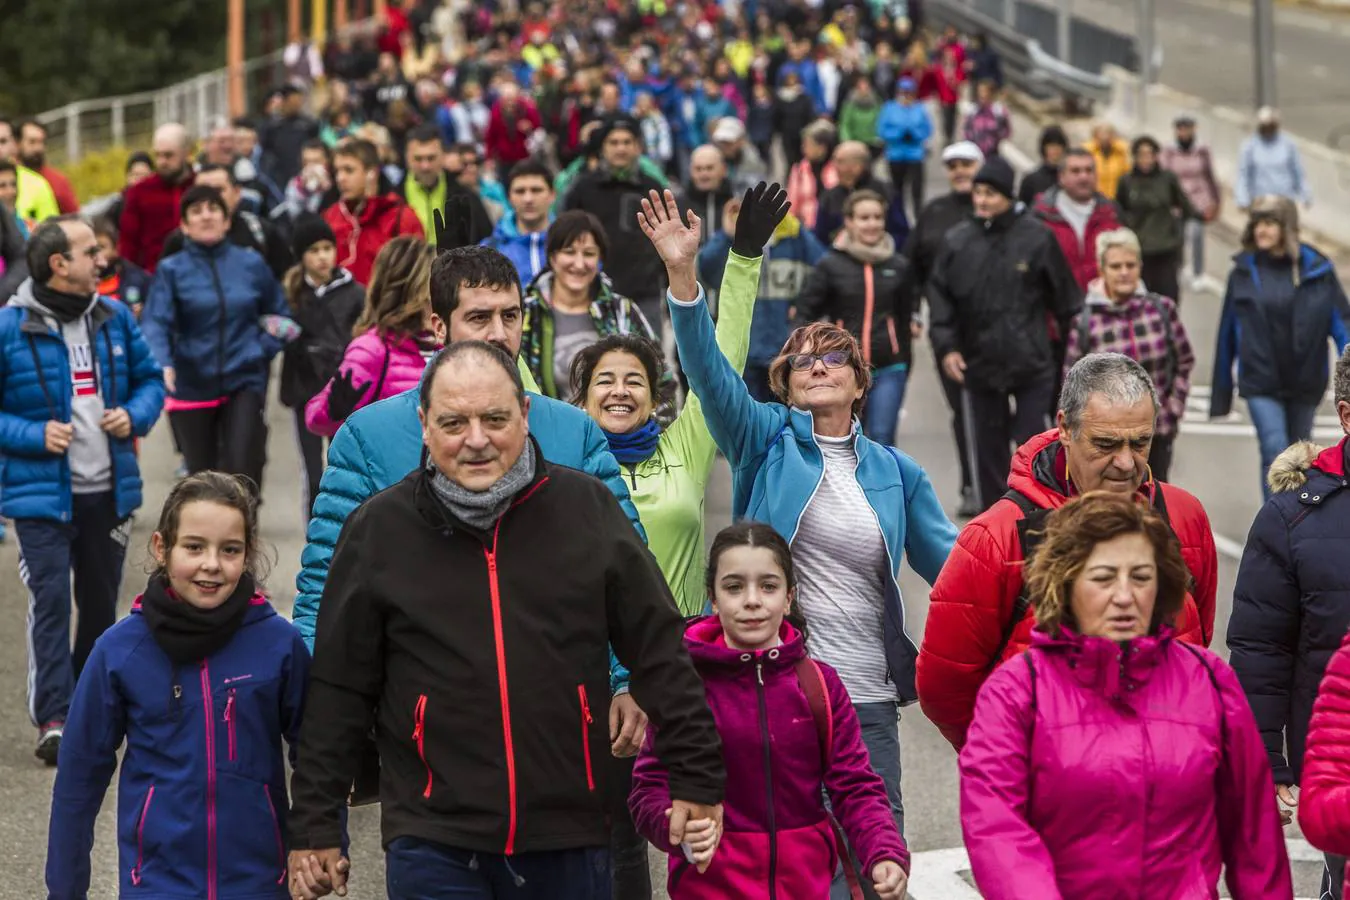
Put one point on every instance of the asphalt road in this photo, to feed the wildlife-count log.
(1217, 462)
(1208, 50)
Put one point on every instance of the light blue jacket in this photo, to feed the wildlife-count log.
(1270, 167)
(776, 466)
(380, 444)
(905, 130)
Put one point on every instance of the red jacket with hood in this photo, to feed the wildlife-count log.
(1324, 804)
(360, 236)
(505, 140)
(149, 214)
(1082, 257)
(973, 599)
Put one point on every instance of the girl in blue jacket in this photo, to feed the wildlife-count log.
(201, 681)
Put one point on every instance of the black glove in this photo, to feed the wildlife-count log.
(762, 209)
(455, 228)
(344, 395)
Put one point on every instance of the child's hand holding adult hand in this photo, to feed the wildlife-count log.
(318, 873)
(687, 819)
(889, 880)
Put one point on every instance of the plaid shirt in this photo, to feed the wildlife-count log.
(1136, 329)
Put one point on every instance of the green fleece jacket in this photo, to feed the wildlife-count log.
(859, 123)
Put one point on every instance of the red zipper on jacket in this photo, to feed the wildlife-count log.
(140, 837)
(276, 830)
(869, 300)
(895, 341)
(229, 722)
(586, 721)
(499, 644)
(210, 719)
(419, 735)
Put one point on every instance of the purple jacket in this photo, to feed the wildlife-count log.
(756, 698)
(384, 366)
(1130, 772)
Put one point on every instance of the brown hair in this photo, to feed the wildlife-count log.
(865, 195)
(231, 491)
(821, 337)
(749, 533)
(1072, 531)
(400, 288)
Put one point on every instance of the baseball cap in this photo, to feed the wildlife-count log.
(728, 129)
(963, 150)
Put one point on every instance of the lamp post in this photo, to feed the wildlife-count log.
(234, 56)
(1263, 43)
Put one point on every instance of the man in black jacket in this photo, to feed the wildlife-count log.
(998, 282)
(1054, 144)
(467, 612)
(961, 161)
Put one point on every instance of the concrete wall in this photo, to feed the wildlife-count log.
(1224, 129)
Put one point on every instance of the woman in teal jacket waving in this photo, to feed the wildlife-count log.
(850, 507)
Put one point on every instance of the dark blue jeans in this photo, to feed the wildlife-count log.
(881, 413)
(881, 733)
(1279, 423)
(423, 870)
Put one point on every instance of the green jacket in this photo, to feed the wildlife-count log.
(423, 202)
(1155, 207)
(859, 123)
(668, 487)
(568, 176)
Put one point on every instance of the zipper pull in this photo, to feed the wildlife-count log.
(176, 704)
(759, 672)
(229, 706)
(585, 706)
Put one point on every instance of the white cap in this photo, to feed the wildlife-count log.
(965, 150)
(728, 130)
(1267, 115)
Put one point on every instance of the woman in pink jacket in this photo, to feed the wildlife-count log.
(1110, 760)
(787, 728)
(1324, 799)
(393, 337)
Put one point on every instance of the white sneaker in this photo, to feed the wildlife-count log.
(1207, 284)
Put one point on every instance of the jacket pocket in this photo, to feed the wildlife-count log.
(586, 721)
(419, 737)
(276, 830)
(140, 837)
(230, 715)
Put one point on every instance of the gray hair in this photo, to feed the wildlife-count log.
(478, 351)
(1119, 380)
(1342, 377)
(822, 132)
(48, 238)
(1117, 239)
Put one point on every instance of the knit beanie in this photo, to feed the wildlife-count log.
(997, 174)
(309, 230)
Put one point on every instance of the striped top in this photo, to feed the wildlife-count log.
(840, 557)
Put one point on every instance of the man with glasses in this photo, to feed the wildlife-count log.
(82, 385)
(961, 160)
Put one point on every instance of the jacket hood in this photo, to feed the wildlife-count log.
(375, 207)
(1040, 472)
(24, 299)
(877, 253)
(508, 231)
(1289, 471)
(1103, 665)
(1045, 205)
(789, 228)
(1311, 263)
(707, 645)
(1282, 210)
(1097, 298)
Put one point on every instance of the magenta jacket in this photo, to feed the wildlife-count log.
(772, 750)
(384, 366)
(1133, 771)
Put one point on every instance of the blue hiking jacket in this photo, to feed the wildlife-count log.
(776, 466)
(36, 387)
(904, 129)
(526, 251)
(380, 444)
(203, 316)
(201, 800)
(705, 111)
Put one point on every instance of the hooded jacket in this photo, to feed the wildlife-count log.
(361, 235)
(970, 607)
(527, 252)
(36, 386)
(1147, 201)
(504, 140)
(1324, 802)
(382, 364)
(870, 291)
(150, 212)
(1291, 602)
(326, 315)
(1112, 164)
(1274, 326)
(905, 130)
(202, 320)
(1133, 771)
(996, 291)
(1080, 255)
(482, 656)
(201, 798)
(777, 838)
(859, 119)
(776, 465)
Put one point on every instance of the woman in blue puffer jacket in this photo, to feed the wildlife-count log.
(204, 320)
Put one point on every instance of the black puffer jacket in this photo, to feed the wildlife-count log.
(998, 288)
(1291, 604)
(938, 217)
(326, 316)
(872, 294)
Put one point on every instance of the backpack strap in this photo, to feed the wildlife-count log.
(1084, 332)
(813, 685)
(1029, 537)
(1169, 367)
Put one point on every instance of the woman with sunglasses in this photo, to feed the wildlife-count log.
(850, 508)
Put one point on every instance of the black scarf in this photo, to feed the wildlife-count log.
(66, 307)
(188, 634)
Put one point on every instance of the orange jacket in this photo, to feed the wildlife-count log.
(973, 598)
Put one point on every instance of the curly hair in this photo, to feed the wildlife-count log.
(819, 337)
(1070, 535)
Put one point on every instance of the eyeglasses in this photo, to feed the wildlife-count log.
(835, 359)
(91, 252)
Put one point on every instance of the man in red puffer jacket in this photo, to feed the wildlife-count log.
(364, 220)
(1076, 213)
(978, 615)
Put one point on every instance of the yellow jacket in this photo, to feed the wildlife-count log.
(1110, 168)
(36, 200)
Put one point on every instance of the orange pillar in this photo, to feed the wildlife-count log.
(339, 15)
(294, 31)
(234, 57)
(379, 8)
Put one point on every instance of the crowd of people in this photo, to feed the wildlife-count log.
(529, 271)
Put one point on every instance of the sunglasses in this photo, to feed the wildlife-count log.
(835, 359)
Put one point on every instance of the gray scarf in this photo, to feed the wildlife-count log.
(482, 509)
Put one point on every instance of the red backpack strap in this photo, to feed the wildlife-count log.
(813, 685)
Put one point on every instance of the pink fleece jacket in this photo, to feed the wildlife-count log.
(1128, 772)
(787, 840)
(393, 364)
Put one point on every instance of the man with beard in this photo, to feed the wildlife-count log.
(35, 200)
(33, 154)
(150, 209)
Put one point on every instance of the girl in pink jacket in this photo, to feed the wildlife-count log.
(393, 337)
(1110, 760)
(787, 728)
